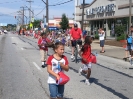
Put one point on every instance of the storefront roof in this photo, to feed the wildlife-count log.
(109, 17)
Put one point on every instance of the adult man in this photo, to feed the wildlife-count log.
(101, 38)
(75, 36)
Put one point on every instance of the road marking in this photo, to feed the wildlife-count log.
(37, 66)
(22, 48)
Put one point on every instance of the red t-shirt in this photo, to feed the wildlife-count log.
(40, 41)
(86, 49)
(54, 62)
(76, 34)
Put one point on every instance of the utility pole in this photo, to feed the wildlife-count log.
(29, 10)
(82, 22)
(22, 16)
(130, 14)
(47, 15)
(43, 19)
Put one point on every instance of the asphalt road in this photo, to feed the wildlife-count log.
(21, 75)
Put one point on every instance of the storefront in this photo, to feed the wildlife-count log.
(105, 14)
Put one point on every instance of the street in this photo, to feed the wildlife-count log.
(21, 75)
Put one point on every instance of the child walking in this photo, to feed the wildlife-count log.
(42, 43)
(55, 63)
(85, 54)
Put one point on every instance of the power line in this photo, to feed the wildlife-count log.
(40, 12)
(12, 1)
(7, 14)
(56, 2)
(61, 3)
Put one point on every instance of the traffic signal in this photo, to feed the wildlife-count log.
(15, 17)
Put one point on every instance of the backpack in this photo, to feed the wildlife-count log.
(129, 40)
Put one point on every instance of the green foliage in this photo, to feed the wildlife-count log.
(122, 37)
(64, 22)
(96, 36)
(119, 30)
(36, 23)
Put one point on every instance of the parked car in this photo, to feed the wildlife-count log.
(5, 31)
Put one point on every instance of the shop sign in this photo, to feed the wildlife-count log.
(101, 9)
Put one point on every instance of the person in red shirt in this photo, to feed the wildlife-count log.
(43, 45)
(75, 36)
(85, 54)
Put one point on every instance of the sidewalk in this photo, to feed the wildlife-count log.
(111, 51)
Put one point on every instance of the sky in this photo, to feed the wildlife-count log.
(9, 8)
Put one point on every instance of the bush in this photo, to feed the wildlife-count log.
(122, 37)
(96, 36)
(119, 30)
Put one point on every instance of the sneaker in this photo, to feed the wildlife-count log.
(80, 71)
(72, 56)
(87, 82)
(43, 66)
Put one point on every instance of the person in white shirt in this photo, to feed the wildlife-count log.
(102, 39)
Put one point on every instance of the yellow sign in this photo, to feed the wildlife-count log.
(31, 25)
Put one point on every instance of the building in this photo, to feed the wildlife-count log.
(55, 22)
(103, 13)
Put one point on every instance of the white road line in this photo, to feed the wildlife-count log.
(22, 48)
(37, 66)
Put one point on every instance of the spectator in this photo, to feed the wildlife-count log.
(128, 47)
(101, 38)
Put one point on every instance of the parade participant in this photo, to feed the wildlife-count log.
(85, 54)
(75, 36)
(43, 45)
(54, 63)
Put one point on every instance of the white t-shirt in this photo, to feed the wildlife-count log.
(101, 36)
(54, 63)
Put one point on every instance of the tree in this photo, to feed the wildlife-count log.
(119, 29)
(36, 23)
(64, 22)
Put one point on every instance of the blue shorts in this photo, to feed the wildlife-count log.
(132, 47)
(102, 43)
(56, 90)
(128, 48)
